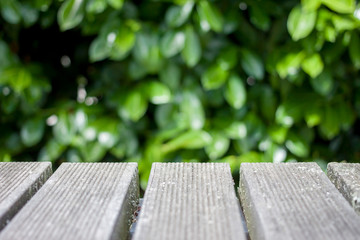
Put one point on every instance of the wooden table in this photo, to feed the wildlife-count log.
(182, 201)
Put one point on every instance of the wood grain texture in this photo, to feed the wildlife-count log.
(294, 201)
(346, 178)
(19, 181)
(80, 201)
(190, 201)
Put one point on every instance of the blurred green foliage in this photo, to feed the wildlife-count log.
(145, 81)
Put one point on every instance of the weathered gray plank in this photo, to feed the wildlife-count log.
(294, 201)
(80, 201)
(19, 181)
(190, 201)
(346, 177)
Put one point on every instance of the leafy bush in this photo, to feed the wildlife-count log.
(228, 81)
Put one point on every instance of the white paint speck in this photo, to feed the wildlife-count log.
(242, 6)
(52, 120)
(279, 155)
(111, 37)
(65, 61)
(6, 91)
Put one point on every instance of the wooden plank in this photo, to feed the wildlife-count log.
(294, 201)
(80, 201)
(19, 181)
(346, 178)
(190, 201)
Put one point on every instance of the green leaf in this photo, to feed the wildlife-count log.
(227, 58)
(243, 146)
(254, 126)
(70, 14)
(293, 108)
(214, 77)
(123, 42)
(134, 105)
(32, 131)
(330, 34)
(218, 146)
(178, 15)
(127, 146)
(330, 125)
(273, 152)
(297, 145)
(324, 17)
(172, 43)
(48, 18)
(231, 21)
(313, 65)
(117, 4)
(147, 51)
(9, 103)
(235, 161)
(354, 50)
(7, 58)
(192, 139)
(310, 5)
(5, 155)
(115, 41)
(287, 116)
(99, 49)
(18, 78)
(157, 92)
(307, 134)
(191, 52)
(29, 14)
(252, 64)
(210, 15)
(64, 130)
(323, 84)
(340, 6)
(215, 98)
(235, 92)
(10, 11)
(73, 155)
(42, 5)
(192, 110)
(51, 151)
(170, 75)
(268, 103)
(165, 115)
(118, 150)
(300, 23)
(95, 6)
(332, 54)
(289, 65)
(80, 120)
(342, 23)
(250, 157)
(12, 143)
(259, 18)
(93, 152)
(313, 115)
(105, 130)
(346, 115)
(236, 130)
(278, 133)
(136, 71)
